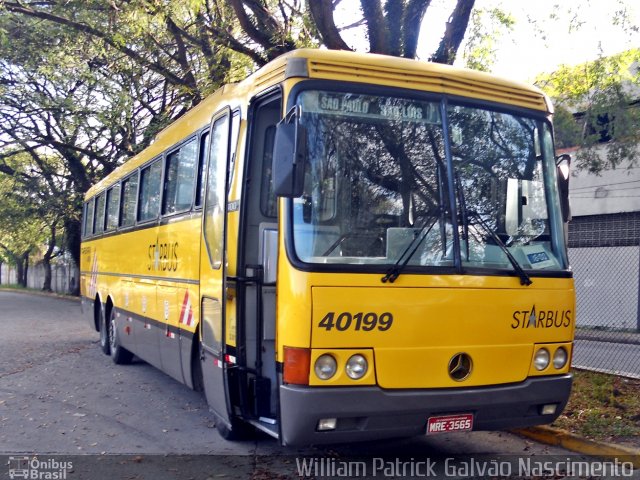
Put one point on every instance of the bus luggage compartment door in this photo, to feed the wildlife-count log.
(212, 357)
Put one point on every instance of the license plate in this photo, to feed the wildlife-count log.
(450, 423)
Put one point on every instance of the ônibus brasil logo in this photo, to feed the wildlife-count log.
(36, 469)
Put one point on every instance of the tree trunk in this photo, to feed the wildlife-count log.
(73, 239)
(46, 285)
(25, 269)
(73, 230)
(46, 259)
(20, 276)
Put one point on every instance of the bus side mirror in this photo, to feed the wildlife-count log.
(563, 166)
(289, 152)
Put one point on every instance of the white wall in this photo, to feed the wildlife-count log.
(614, 191)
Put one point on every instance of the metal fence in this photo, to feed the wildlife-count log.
(64, 277)
(607, 283)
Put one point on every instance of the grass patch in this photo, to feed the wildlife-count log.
(15, 286)
(603, 407)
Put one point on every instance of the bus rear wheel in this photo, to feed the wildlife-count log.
(119, 354)
(104, 333)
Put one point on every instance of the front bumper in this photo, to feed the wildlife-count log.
(368, 413)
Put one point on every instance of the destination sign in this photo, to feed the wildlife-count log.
(370, 106)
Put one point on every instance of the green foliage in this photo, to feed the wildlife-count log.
(21, 229)
(602, 406)
(86, 84)
(486, 30)
(567, 131)
(595, 110)
(579, 85)
(34, 203)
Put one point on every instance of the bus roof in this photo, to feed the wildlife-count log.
(346, 67)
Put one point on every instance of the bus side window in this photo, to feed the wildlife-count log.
(235, 130)
(113, 203)
(214, 203)
(180, 178)
(149, 198)
(204, 148)
(128, 206)
(88, 218)
(98, 226)
(268, 200)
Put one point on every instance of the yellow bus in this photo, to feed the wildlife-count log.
(344, 247)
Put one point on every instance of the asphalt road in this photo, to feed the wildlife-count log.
(59, 395)
(607, 356)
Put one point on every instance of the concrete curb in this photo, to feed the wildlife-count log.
(40, 293)
(562, 438)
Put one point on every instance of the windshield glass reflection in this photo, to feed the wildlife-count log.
(377, 191)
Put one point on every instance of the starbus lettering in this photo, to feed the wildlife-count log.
(541, 319)
(86, 253)
(163, 257)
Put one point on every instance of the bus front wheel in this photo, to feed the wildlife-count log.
(239, 430)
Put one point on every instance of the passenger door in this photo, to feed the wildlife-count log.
(257, 321)
(213, 270)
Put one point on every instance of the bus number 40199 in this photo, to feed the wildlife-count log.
(359, 321)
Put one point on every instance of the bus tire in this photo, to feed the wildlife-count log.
(239, 430)
(119, 354)
(196, 367)
(104, 333)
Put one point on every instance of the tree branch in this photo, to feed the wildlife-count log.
(394, 12)
(412, 21)
(322, 14)
(183, 61)
(17, 7)
(229, 41)
(376, 30)
(454, 32)
(247, 25)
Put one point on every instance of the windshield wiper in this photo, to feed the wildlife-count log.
(464, 214)
(394, 272)
(464, 217)
(524, 278)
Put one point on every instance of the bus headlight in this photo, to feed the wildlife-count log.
(541, 359)
(356, 366)
(560, 358)
(325, 367)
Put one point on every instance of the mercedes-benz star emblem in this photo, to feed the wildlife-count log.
(460, 367)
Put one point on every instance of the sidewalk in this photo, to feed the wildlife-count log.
(42, 293)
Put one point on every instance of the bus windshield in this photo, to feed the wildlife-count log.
(380, 190)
